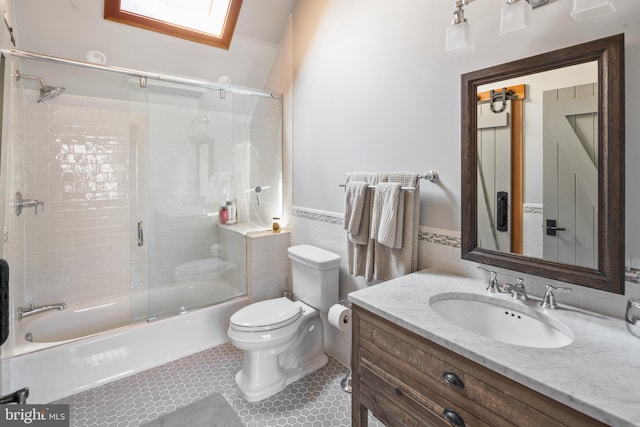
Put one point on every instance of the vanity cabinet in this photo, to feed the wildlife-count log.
(407, 380)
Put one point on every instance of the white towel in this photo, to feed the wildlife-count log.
(391, 262)
(354, 202)
(359, 246)
(387, 219)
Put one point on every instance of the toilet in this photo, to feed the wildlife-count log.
(283, 340)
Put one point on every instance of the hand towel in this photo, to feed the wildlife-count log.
(359, 245)
(354, 202)
(387, 221)
(392, 262)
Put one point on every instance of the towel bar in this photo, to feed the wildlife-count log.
(430, 176)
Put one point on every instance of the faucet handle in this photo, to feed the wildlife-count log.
(492, 287)
(549, 299)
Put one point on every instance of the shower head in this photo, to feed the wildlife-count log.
(49, 92)
(46, 92)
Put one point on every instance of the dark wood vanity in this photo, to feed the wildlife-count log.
(406, 380)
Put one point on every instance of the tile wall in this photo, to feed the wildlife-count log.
(440, 249)
(86, 158)
(73, 154)
(268, 267)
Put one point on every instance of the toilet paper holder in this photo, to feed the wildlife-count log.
(345, 302)
(345, 384)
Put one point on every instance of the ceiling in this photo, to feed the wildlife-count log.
(71, 28)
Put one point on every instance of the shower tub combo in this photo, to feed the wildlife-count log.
(65, 367)
(124, 241)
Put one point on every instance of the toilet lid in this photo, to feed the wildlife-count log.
(266, 315)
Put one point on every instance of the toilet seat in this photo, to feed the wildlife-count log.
(266, 315)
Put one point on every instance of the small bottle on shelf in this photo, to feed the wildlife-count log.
(275, 226)
(223, 215)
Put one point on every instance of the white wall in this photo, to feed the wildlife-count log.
(373, 90)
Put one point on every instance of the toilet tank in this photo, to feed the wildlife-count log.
(315, 276)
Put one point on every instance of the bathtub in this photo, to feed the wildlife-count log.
(60, 353)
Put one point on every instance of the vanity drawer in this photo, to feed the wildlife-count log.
(417, 366)
(395, 399)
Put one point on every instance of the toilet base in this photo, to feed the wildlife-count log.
(254, 392)
(265, 373)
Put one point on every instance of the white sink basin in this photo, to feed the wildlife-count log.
(501, 320)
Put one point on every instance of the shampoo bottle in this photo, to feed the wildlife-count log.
(223, 215)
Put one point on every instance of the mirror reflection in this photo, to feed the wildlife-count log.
(537, 141)
(543, 165)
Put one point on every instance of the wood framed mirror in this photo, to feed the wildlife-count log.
(575, 231)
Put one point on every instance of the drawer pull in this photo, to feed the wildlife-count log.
(453, 418)
(452, 379)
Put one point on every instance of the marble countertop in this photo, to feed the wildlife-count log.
(598, 373)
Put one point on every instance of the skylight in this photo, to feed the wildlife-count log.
(205, 21)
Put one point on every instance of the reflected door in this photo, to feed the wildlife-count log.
(494, 178)
(571, 175)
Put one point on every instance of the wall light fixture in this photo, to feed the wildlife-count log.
(516, 15)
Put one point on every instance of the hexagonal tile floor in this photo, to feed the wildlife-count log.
(316, 400)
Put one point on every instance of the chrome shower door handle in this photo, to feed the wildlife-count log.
(140, 234)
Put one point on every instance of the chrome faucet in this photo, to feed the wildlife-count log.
(33, 310)
(549, 299)
(518, 292)
(19, 397)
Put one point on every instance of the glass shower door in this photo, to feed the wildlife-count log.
(185, 174)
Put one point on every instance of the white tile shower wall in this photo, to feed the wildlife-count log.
(13, 172)
(266, 161)
(267, 265)
(177, 228)
(15, 153)
(258, 161)
(73, 154)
